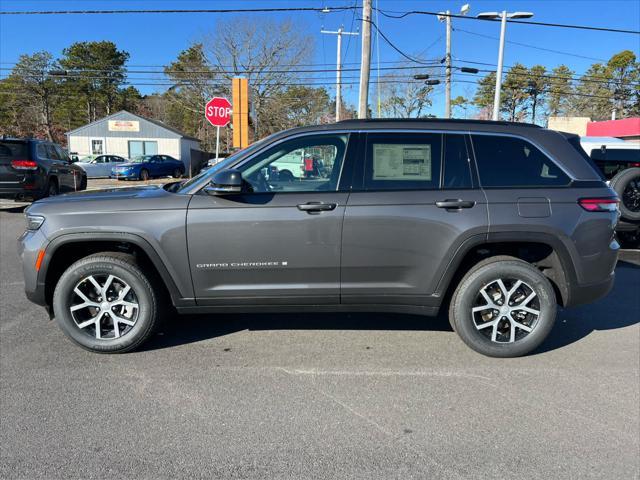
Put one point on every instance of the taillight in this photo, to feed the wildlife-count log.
(24, 165)
(635, 164)
(606, 204)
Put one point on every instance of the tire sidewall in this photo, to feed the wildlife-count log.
(144, 174)
(619, 184)
(62, 298)
(469, 289)
(52, 188)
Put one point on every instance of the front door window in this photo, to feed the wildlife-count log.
(305, 164)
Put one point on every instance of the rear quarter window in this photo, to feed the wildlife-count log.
(506, 162)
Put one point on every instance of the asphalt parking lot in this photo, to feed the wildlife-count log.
(319, 396)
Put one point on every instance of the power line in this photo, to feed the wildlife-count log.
(241, 72)
(530, 46)
(178, 10)
(455, 80)
(388, 13)
(204, 76)
(400, 15)
(392, 45)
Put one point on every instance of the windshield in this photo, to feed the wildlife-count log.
(224, 163)
(141, 159)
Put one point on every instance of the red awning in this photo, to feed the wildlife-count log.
(626, 127)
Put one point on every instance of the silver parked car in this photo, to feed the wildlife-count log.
(101, 165)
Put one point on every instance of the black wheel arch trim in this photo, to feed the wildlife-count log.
(176, 296)
(566, 284)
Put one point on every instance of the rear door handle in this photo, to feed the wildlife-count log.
(455, 204)
(315, 207)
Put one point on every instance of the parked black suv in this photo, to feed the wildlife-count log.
(31, 169)
(498, 222)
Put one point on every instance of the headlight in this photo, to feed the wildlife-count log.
(34, 222)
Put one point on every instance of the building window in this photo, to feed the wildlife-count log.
(97, 147)
(140, 147)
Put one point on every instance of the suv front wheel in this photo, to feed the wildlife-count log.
(105, 303)
(503, 307)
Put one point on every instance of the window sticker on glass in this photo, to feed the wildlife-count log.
(401, 162)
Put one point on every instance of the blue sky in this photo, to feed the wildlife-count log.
(157, 39)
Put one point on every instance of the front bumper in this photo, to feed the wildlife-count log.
(30, 243)
(126, 175)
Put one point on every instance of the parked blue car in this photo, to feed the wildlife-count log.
(145, 167)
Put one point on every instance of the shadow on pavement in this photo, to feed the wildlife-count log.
(621, 308)
(13, 209)
(193, 328)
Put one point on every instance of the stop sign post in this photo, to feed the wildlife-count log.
(218, 112)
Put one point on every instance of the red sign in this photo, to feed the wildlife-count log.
(218, 111)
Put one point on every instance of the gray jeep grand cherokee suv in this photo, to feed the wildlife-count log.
(498, 222)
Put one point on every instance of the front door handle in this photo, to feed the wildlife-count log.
(455, 204)
(316, 207)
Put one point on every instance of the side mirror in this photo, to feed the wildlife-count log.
(225, 182)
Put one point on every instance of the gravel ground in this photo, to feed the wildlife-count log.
(319, 396)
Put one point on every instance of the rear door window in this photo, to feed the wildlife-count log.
(53, 153)
(457, 163)
(403, 161)
(505, 162)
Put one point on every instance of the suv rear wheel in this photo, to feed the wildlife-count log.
(105, 303)
(52, 188)
(503, 307)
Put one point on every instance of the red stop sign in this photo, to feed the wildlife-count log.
(218, 111)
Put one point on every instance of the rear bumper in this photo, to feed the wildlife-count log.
(589, 293)
(30, 188)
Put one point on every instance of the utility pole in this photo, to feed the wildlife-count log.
(365, 62)
(446, 17)
(339, 33)
(447, 88)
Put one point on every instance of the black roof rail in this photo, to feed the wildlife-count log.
(440, 120)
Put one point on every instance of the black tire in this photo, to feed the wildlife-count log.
(52, 188)
(484, 275)
(177, 173)
(83, 183)
(286, 176)
(124, 268)
(144, 174)
(627, 185)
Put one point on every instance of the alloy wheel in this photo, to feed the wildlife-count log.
(104, 306)
(506, 310)
(631, 195)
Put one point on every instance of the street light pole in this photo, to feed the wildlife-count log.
(339, 33)
(503, 16)
(496, 97)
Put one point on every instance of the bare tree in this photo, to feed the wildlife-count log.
(267, 53)
(404, 98)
